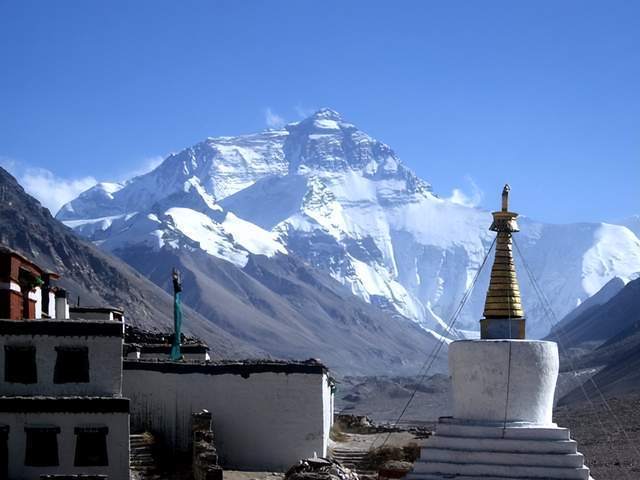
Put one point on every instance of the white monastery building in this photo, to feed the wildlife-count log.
(266, 414)
(61, 407)
(503, 388)
(63, 413)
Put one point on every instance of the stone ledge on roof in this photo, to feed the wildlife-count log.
(63, 328)
(164, 348)
(230, 367)
(96, 309)
(140, 336)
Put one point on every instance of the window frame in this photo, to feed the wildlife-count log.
(83, 446)
(61, 372)
(33, 449)
(28, 374)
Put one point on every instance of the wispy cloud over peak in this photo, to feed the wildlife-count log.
(471, 199)
(148, 164)
(52, 191)
(304, 112)
(272, 119)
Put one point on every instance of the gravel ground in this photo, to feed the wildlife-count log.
(356, 441)
(239, 475)
(610, 452)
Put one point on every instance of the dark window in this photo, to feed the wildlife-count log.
(20, 364)
(91, 447)
(72, 365)
(4, 453)
(42, 446)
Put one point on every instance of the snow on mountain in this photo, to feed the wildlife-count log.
(251, 237)
(232, 239)
(187, 219)
(341, 200)
(609, 254)
(98, 198)
(220, 166)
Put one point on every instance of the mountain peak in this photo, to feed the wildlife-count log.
(324, 120)
(326, 114)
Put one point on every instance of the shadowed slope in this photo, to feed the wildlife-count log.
(95, 276)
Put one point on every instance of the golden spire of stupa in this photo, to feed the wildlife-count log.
(503, 314)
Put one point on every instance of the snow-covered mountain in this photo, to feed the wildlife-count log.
(325, 191)
(272, 307)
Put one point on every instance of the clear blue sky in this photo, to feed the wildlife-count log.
(544, 94)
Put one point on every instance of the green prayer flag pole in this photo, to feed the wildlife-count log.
(177, 315)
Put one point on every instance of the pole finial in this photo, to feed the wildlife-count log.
(505, 197)
(177, 280)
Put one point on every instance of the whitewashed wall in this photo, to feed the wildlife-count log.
(105, 365)
(264, 421)
(117, 443)
(37, 296)
(86, 315)
(327, 412)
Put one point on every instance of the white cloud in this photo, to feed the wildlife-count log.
(471, 199)
(304, 112)
(53, 191)
(148, 164)
(50, 190)
(272, 119)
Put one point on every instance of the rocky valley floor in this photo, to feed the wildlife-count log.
(609, 438)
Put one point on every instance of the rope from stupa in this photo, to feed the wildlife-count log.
(426, 366)
(550, 313)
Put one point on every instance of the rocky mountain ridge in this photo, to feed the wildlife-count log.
(609, 334)
(97, 278)
(328, 193)
(273, 307)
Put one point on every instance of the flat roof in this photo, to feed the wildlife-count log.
(63, 328)
(95, 309)
(243, 368)
(166, 347)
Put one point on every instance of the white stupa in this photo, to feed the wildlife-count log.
(503, 387)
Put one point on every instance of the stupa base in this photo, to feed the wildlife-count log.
(467, 477)
(471, 451)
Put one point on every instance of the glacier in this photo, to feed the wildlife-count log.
(325, 191)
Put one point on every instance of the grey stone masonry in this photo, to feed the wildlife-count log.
(205, 456)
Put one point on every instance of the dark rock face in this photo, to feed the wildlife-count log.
(608, 337)
(598, 322)
(290, 310)
(95, 276)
